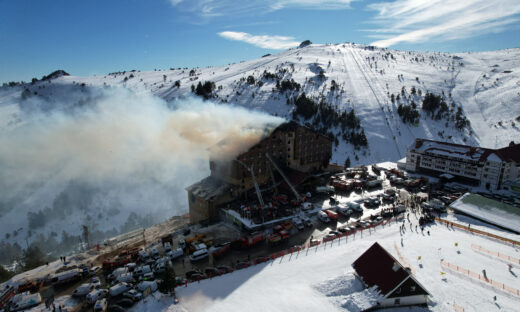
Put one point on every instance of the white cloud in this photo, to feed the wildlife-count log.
(213, 8)
(420, 20)
(262, 41)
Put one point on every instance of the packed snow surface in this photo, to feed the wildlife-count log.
(320, 278)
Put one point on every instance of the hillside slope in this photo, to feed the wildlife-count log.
(482, 87)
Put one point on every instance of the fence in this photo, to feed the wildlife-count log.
(481, 278)
(496, 254)
(402, 259)
(298, 249)
(480, 232)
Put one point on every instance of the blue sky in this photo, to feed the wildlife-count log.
(96, 37)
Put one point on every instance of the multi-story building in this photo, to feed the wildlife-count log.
(290, 145)
(476, 166)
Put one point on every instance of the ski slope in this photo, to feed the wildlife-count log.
(321, 278)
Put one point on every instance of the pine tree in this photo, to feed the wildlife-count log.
(168, 283)
(347, 162)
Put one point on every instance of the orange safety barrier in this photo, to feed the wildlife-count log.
(481, 278)
(496, 254)
(494, 236)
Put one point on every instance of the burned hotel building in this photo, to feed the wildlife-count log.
(290, 145)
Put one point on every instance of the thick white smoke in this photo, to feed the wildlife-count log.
(132, 151)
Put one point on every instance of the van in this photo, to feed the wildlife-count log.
(82, 290)
(174, 254)
(155, 253)
(167, 247)
(323, 217)
(142, 270)
(100, 305)
(199, 255)
(125, 278)
(118, 289)
(95, 295)
(65, 277)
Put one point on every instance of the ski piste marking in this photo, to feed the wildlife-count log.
(394, 138)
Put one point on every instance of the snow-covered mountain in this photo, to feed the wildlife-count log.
(486, 85)
(482, 88)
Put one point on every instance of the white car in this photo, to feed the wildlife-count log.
(83, 290)
(174, 254)
(323, 217)
(118, 289)
(133, 294)
(100, 305)
(95, 295)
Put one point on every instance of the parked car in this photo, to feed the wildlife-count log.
(211, 271)
(323, 217)
(83, 290)
(199, 255)
(155, 253)
(174, 254)
(95, 295)
(355, 206)
(167, 247)
(125, 278)
(94, 270)
(118, 289)
(133, 294)
(190, 273)
(140, 271)
(142, 286)
(100, 305)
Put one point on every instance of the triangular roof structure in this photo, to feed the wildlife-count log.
(378, 267)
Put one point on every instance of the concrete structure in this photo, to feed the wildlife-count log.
(477, 166)
(290, 145)
(397, 286)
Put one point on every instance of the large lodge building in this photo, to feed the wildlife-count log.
(477, 166)
(290, 145)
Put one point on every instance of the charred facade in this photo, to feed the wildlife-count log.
(290, 145)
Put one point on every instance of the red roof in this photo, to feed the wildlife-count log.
(507, 154)
(378, 267)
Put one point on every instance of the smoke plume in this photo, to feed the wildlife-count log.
(131, 151)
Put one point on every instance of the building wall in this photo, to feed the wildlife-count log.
(206, 210)
(299, 148)
(404, 301)
(490, 173)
